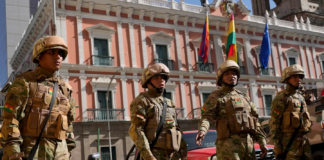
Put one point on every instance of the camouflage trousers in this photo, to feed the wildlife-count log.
(300, 148)
(237, 147)
(160, 154)
(48, 149)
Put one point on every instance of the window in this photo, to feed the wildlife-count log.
(205, 96)
(162, 52)
(268, 100)
(323, 65)
(167, 95)
(101, 113)
(105, 153)
(292, 61)
(101, 47)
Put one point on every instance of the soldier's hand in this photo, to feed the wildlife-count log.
(264, 151)
(199, 137)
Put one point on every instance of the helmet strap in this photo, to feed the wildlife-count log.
(158, 90)
(298, 87)
(230, 85)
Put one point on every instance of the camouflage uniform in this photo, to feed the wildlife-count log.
(285, 115)
(146, 110)
(231, 143)
(26, 105)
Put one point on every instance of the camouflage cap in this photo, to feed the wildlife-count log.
(292, 70)
(46, 43)
(151, 71)
(227, 65)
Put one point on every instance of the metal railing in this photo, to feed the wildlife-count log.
(180, 113)
(205, 67)
(103, 60)
(264, 112)
(167, 62)
(266, 71)
(101, 114)
(242, 69)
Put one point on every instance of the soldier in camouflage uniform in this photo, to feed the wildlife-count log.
(285, 116)
(146, 112)
(236, 118)
(27, 106)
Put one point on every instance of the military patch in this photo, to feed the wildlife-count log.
(298, 104)
(238, 100)
(13, 96)
(169, 121)
(140, 116)
(50, 91)
(203, 110)
(276, 113)
(8, 108)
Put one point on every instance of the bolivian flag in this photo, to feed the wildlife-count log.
(231, 41)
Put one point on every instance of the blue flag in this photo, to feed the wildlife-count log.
(265, 48)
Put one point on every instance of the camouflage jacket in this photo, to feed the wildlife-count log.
(213, 110)
(15, 104)
(142, 110)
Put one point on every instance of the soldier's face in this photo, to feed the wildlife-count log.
(158, 81)
(295, 80)
(230, 77)
(51, 60)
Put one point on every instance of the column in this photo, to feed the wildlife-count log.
(132, 44)
(120, 44)
(176, 33)
(314, 62)
(58, 25)
(248, 56)
(144, 52)
(280, 56)
(310, 64)
(188, 50)
(218, 50)
(83, 97)
(183, 96)
(275, 67)
(254, 91)
(135, 83)
(193, 93)
(301, 49)
(124, 93)
(80, 39)
(63, 31)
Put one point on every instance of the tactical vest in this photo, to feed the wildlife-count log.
(170, 137)
(291, 115)
(238, 116)
(37, 109)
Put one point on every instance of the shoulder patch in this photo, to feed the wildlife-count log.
(8, 107)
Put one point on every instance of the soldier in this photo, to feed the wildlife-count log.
(27, 107)
(235, 115)
(146, 113)
(285, 116)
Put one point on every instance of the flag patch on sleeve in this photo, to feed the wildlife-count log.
(50, 91)
(238, 100)
(140, 116)
(276, 112)
(8, 108)
(203, 110)
(298, 104)
(169, 121)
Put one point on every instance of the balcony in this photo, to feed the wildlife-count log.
(101, 114)
(264, 112)
(103, 60)
(242, 69)
(168, 63)
(266, 71)
(205, 67)
(180, 113)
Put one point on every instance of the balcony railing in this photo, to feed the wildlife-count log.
(101, 114)
(103, 60)
(180, 113)
(264, 112)
(205, 67)
(242, 69)
(168, 63)
(266, 71)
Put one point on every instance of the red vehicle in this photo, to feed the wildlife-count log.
(207, 151)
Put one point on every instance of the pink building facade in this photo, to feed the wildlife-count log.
(125, 36)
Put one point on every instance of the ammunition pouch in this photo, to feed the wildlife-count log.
(169, 139)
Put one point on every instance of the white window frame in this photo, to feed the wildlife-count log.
(171, 88)
(101, 84)
(267, 90)
(100, 31)
(205, 87)
(292, 53)
(320, 59)
(161, 38)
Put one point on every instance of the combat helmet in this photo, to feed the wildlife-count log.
(47, 43)
(227, 65)
(292, 70)
(151, 71)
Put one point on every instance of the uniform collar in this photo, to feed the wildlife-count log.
(226, 88)
(153, 93)
(43, 74)
(291, 89)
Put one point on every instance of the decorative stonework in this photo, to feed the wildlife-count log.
(206, 87)
(161, 38)
(103, 82)
(292, 52)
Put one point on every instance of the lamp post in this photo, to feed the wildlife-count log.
(108, 117)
